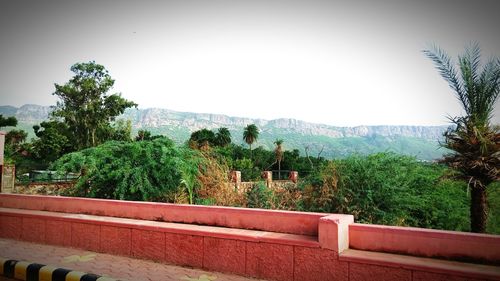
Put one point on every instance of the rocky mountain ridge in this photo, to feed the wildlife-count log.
(319, 139)
(157, 117)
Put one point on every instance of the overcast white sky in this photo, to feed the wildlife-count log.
(342, 63)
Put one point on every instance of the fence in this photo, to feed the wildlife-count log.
(43, 176)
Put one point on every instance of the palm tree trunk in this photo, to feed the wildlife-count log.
(478, 210)
(279, 170)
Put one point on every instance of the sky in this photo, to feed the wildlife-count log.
(344, 63)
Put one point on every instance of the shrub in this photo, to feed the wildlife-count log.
(319, 188)
(392, 189)
(147, 170)
(287, 197)
(259, 196)
(215, 188)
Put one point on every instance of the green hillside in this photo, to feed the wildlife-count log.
(328, 141)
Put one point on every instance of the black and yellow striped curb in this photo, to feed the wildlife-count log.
(27, 271)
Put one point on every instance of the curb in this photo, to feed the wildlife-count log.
(26, 271)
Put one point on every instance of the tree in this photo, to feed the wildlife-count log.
(203, 138)
(15, 137)
(475, 142)
(54, 140)
(250, 135)
(145, 135)
(278, 152)
(15, 145)
(85, 106)
(121, 130)
(223, 137)
(9, 121)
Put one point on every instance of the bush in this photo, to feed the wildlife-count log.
(390, 189)
(319, 189)
(215, 188)
(147, 170)
(259, 196)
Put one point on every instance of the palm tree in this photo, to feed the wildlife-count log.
(474, 141)
(278, 152)
(223, 137)
(250, 135)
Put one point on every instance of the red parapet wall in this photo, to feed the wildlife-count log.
(250, 242)
(301, 223)
(425, 242)
(267, 255)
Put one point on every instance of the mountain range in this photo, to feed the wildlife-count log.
(319, 139)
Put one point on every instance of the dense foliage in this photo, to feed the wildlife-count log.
(7, 121)
(252, 163)
(145, 135)
(382, 188)
(391, 189)
(143, 170)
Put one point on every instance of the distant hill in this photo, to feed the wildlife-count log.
(331, 141)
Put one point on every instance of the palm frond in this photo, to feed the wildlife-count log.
(469, 67)
(489, 86)
(444, 64)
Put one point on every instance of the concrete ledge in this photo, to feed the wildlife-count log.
(300, 223)
(421, 242)
(175, 228)
(449, 268)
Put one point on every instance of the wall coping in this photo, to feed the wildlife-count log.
(462, 246)
(300, 223)
(468, 270)
(425, 232)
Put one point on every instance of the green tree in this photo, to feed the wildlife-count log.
(121, 130)
(250, 135)
(54, 140)
(9, 121)
(474, 141)
(223, 137)
(85, 105)
(203, 138)
(278, 152)
(15, 137)
(15, 145)
(145, 135)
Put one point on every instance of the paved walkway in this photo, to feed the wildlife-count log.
(118, 267)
